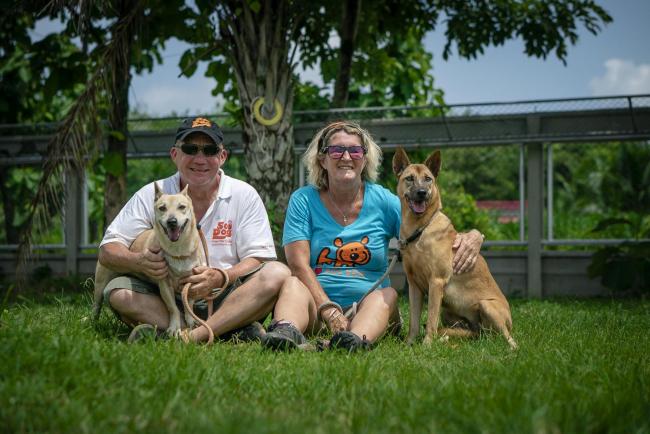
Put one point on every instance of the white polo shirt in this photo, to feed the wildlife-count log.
(235, 226)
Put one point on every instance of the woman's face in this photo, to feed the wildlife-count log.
(344, 169)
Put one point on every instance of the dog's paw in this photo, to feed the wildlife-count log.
(174, 328)
(189, 321)
(443, 339)
(428, 340)
(172, 332)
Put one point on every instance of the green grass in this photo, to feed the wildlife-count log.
(582, 366)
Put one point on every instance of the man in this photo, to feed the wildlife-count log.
(235, 223)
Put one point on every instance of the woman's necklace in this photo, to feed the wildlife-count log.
(345, 216)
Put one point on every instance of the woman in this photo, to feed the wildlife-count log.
(336, 236)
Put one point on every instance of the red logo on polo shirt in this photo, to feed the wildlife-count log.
(222, 231)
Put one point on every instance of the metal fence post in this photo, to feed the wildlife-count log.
(535, 189)
(72, 220)
(549, 192)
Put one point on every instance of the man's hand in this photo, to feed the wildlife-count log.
(152, 264)
(204, 280)
(335, 320)
(467, 247)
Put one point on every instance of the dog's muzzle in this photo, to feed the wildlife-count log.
(418, 201)
(173, 230)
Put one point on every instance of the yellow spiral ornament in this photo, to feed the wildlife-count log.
(259, 117)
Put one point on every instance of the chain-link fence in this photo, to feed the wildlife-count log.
(636, 106)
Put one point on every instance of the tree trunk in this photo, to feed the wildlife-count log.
(269, 164)
(115, 184)
(348, 34)
(259, 52)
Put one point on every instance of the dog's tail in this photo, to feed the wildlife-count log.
(97, 310)
(102, 276)
(98, 298)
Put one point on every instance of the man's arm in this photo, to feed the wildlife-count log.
(119, 258)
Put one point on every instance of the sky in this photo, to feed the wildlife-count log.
(614, 62)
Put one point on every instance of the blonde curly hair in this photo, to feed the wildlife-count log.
(314, 154)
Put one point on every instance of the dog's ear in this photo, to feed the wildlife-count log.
(158, 192)
(400, 161)
(433, 163)
(184, 192)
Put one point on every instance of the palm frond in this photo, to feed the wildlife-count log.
(78, 134)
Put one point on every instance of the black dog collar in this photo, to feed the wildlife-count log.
(416, 234)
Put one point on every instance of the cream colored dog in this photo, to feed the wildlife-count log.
(176, 235)
(470, 301)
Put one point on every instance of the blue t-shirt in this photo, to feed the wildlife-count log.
(347, 260)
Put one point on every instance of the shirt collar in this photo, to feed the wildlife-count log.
(225, 184)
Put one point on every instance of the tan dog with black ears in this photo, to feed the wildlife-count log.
(176, 235)
(470, 301)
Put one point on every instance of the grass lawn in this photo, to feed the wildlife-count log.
(582, 366)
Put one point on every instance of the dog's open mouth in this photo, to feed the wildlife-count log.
(174, 233)
(418, 207)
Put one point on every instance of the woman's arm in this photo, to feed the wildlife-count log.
(297, 254)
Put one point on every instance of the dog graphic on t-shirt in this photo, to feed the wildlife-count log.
(347, 255)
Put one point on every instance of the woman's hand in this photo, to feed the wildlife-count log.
(335, 320)
(467, 247)
(204, 280)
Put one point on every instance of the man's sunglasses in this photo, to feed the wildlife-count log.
(192, 149)
(336, 152)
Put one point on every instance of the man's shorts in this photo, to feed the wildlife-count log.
(136, 284)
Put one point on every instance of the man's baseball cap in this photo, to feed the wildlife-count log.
(200, 125)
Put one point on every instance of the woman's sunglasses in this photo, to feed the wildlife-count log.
(336, 152)
(192, 149)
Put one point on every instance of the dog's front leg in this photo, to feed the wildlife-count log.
(189, 319)
(167, 295)
(436, 290)
(416, 297)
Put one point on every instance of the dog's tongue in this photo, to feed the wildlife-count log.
(174, 234)
(418, 207)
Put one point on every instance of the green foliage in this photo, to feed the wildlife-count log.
(38, 79)
(390, 69)
(144, 171)
(308, 96)
(625, 187)
(488, 173)
(589, 374)
(390, 65)
(545, 26)
(276, 219)
(625, 267)
(461, 208)
(235, 167)
(18, 190)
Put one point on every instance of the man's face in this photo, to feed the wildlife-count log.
(198, 170)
